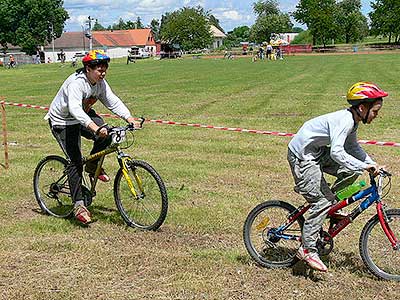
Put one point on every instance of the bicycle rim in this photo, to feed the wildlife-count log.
(51, 187)
(148, 208)
(266, 248)
(377, 252)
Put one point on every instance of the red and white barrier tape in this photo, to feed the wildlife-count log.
(275, 133)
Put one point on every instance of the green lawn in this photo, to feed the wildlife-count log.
(214, 178)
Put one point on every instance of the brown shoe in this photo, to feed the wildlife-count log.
(82, 214)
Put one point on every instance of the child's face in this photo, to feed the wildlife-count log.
(373, 112)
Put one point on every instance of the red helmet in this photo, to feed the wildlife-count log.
(95, 57)
(364, 92)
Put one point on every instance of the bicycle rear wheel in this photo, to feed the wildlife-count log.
(50, 184)
(148, 208)
(263, 238)
(376, 251)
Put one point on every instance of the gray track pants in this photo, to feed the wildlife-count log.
(311, 184)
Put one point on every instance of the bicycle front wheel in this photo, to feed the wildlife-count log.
(376, 251)
(141, 198)
(50, 184)
(268, 241)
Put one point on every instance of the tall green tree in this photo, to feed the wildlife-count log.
(155, 28)
(320, 17)
(385, 18)
(269, 20)
(31, 23)
(352, 23)
(189, 27)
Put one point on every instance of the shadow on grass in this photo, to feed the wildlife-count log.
(99, 213)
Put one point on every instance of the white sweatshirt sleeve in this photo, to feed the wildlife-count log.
(113, 103)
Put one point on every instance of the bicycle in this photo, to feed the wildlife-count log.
(139, 191)
(272, 231)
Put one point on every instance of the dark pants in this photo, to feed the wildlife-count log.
(69, 139)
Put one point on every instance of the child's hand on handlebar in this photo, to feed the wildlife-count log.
(136, 123)
(374, 169)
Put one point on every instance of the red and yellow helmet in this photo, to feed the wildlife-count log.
(95, 57)
(364, 91)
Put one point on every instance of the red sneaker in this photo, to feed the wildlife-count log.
(82, 214)
(312, 259)
(103, 176)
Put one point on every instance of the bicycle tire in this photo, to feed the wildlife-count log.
(376, 251)
(51, 188)
(149, 209)
(265, 248)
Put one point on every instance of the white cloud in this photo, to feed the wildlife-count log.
(232, 15)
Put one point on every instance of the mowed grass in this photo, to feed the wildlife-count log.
(214, 178)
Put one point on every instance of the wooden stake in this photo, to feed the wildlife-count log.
(4, 122)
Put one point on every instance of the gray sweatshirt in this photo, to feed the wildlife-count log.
(77, 95)
(337, 130)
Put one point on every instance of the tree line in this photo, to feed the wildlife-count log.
(28, 23)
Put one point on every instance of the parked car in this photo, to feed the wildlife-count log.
(137, 53)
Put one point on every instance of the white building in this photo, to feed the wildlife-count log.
(218, 36)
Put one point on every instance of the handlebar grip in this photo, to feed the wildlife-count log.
(105, 125)
(142, 119)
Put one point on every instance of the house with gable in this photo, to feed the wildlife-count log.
(218, 37)
(116, 43)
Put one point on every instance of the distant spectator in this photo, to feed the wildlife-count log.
(269, 51)
(12, 63)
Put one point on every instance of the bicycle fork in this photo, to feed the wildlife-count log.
(383, 220)
(124, 167)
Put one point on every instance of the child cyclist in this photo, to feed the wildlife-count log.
(328, 144)
(71, 116)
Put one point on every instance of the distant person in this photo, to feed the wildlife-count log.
(261, 53)
(12, 62)
(269, 51)
(62, 56)
(328, 144)
(71, 116)
(74, 62)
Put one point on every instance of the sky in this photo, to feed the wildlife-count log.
(230, 13)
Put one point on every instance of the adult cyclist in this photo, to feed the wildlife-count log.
(328, 144)
(71, 116)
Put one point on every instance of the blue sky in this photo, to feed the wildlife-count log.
(231, 13)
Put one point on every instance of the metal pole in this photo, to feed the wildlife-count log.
(3, 114)
(52, 42)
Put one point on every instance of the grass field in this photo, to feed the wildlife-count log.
(214, 178)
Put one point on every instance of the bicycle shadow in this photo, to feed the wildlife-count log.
(349, 261)
(99, 213)
(106, 215)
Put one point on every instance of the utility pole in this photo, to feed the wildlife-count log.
(89, 32)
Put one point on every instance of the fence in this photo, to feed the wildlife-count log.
(4, 128)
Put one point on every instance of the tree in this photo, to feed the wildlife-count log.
(214, 21)
(320, 18)
(188, 27)
(98, 27)
(31, 23)
(138, 23)
(351, 22)
(384, 18)
(237, 35)
(155, 28)
(269, 20)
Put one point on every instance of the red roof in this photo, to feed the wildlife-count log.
(116, 38)
(125, 38)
